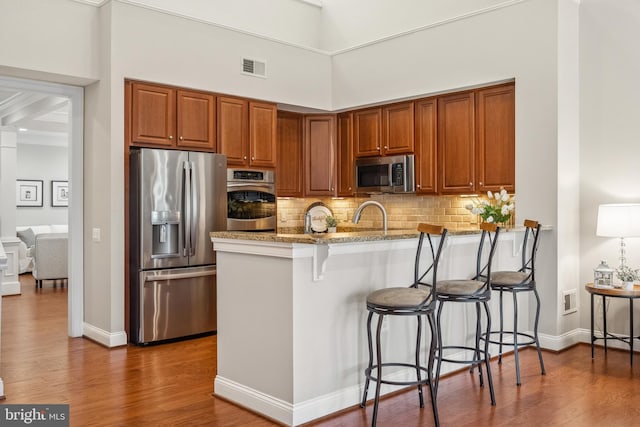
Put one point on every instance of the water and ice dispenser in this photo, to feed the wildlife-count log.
(166, 234)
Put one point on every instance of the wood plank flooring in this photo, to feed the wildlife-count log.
(172, 384)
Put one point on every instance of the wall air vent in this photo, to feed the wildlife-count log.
(253, 67)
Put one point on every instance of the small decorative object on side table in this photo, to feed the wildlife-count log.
(603, 275)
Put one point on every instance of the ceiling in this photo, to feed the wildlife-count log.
(36, 117)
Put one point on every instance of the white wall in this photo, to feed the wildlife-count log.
(293, 21)
(44, 163)
(609, 134)
(346, 24)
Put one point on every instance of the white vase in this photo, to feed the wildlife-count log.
(628, 286)
(331, 229)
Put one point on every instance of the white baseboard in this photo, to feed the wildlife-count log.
(108, 339)
(566, 340)
(11, 288)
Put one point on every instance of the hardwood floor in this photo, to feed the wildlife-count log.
(172, 384)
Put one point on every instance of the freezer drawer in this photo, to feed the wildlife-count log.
(177, 303)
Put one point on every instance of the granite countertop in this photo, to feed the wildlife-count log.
(346, 236)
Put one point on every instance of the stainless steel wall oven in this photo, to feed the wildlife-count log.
(251, 200)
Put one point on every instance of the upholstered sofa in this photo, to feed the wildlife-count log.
(28, 234)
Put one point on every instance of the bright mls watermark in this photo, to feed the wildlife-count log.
(34, 415)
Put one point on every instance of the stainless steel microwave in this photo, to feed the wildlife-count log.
(392, 174)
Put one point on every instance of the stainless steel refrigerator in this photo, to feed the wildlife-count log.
(176, 199)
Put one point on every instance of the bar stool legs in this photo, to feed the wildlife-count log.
(375, 372)
(532, 339)
(480, 354)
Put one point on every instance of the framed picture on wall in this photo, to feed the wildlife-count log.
(59, 193)
(28, 192)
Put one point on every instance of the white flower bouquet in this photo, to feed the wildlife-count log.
(496, 208)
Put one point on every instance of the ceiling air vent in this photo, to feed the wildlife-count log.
(254, 67)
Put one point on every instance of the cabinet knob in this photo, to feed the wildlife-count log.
(378, 148)
(349, 188)
(253, 158)
(181, 138)
(386, 147)
(471, 183)
(418, 185)
(170, 137)
(244, 157)
(480, 183)
(331, 188)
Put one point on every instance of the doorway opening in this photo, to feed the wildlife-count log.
(29, 100)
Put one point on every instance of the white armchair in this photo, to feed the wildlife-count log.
(50, 257)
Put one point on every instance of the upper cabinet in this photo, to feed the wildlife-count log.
(456, 136)
(320, 155)
(233, 130)
(476, 140)
(495, 138)
(367, 132)
(384, 131)
(162, 116)
(397, 129)
(263, 119)
(426, 140)
(289, 169)
(346, 174)
(247, 132)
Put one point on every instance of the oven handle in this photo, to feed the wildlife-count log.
(249, 184)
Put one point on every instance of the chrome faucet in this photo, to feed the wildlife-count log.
(358, 212)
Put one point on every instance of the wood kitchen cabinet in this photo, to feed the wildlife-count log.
(367, 132)
(163, 116)
(247, 132)
(384, 131)
(476, 140)
(320, 155)
(426, 144)
(495, 138)
(456, 143)
(398, 129)
(346, 173)
(289, 170)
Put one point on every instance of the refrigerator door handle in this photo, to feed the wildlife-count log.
(186, 179)
(195, 196)
(151, 277)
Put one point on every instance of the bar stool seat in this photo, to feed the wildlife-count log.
(416, 300)
(508, 279)
(454, 288)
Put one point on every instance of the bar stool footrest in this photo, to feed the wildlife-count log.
(461, 347)
(369, 373)
(531, 339)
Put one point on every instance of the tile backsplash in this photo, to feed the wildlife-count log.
(403, 211)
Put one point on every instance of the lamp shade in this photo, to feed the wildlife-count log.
(619, 220)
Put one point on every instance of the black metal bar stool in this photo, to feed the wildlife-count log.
(476, 290)
(416, 300)
(522, 280)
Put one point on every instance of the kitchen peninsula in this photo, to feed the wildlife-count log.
(292, 341)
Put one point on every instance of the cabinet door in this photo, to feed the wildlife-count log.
(456, 157)
(367, 132)
(426, 139)
(153, 115)
(196, 120)
(319, 154)
(263, 119)
(233, 116)
(289, 170)
(495, 118)
(397, 129)
(345, 155)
